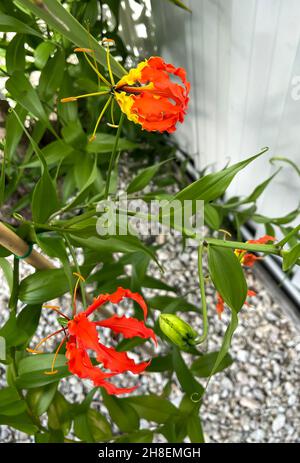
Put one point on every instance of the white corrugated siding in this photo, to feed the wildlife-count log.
(243, 59)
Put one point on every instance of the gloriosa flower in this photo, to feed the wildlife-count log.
(247, 258)
(81, 336)
(221, 304)
(147, 95)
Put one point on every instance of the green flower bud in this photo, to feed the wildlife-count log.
(177, 330)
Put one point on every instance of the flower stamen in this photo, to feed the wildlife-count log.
(35, 350)
(79, 278)
(93, 136)
(85, 95)
(108, 61)
(52, 371)
(87, 50)
(56, 309)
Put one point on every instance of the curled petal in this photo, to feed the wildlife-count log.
(118, 362)
(263, 240)
(251, 293)
(220, 305)
(80, 364)
(128, 326)
(249, 259)
(84, 331)
(115, 298)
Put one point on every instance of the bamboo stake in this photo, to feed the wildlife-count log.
(11, 241)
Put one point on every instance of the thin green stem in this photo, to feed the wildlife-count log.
(288, 236)
(203, 297)
(266, 248)
(77, 268)
(100, 117)
(13, 301)
(113, 157)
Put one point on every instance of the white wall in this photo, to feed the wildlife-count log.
(243, 60)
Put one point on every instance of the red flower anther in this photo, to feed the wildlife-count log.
(82, 336)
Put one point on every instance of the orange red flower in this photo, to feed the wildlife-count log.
(221, 304)
(149, 97)
(147, 94)
(81, 336)
(247, 258)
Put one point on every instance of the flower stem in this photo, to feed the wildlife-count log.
(77, 268)
(203, 298)
(113, 157)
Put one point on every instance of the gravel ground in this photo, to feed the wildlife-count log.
(257, 398)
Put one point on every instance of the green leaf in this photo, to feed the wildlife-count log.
(152, 408)
(83, 191)
(277, 220)
(184, 375)
(67, 112)
(116, 244)
(212, 217)
(92, 427)
(13, 131)
(49, 437)
(40, 398)
(225, 344)
(143, 436)
(42, 286)
(161, 363)
(2, 348)
(53, 153)
(194, 429)
(121, 413)
(52, 75)
(44, 199)
(104, 143)
(290, 257)
(42, 53)
(170, 304)
(21, 422)
(256, 193)
(10, 402)
(214, 185)
(15, 54)
(227, 276)
(22, 91)
(204, 365)
(17, 331)
(28, 319)
(7, 271)
(11, 24)
(181, 5)
(32, 369)
(144, 177)
(56, 16)
(59, 414)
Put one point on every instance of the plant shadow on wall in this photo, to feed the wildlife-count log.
(64, 134)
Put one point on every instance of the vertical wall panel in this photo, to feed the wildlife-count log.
(242, 58)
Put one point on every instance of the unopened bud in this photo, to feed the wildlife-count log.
(177, 330)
